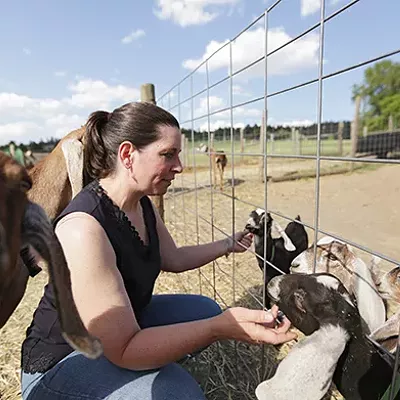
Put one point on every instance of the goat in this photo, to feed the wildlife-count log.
(58, 177)
(339, 259)
(389, 287)
(282, 245)
(219, 160)
(307, 371)
(316, 301)
(24, 232)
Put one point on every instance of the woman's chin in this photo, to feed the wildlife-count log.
(161, 189)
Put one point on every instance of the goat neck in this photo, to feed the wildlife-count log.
(369, 302)
(307, 371)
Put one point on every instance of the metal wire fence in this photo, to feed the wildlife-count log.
(339, 176)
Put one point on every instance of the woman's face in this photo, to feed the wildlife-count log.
(154, 167)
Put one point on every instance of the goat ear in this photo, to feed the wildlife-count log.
(388, 330)
(277, 232)
(375, 270)
(299, 296)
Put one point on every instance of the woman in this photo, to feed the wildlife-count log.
(116, 244)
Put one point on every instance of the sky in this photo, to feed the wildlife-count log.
(61, 60)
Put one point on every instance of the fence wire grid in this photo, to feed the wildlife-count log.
(303, 170)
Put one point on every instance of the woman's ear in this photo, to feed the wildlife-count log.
(126, 154)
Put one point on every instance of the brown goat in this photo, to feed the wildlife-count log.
(219, 160)
(24, 226)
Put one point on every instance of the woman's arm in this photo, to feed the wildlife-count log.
(180, 259)
(104, 306)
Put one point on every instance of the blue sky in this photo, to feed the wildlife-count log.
(61, 60)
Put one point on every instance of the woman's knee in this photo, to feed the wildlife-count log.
(207, 307)
(173, 382)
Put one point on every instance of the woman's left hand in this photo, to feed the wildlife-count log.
(239, 242)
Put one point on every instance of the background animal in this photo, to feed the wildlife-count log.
(219, 160)
(283, 245)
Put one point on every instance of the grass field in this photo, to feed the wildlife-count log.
(329, 147)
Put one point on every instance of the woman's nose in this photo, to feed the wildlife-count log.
(178, 168)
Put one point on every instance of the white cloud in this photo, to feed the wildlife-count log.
(63, 123)
(219, 124)
(60, 74)
(134, 35)
(239, 91)
(20, 105)
(96, 94)
(31, 118)
(17, 130)
(190, 12)
(27, 51)
(301, 122)
(309, 7)
(249, 47)
(217, 103)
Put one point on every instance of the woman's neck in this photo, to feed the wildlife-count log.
(125, 198)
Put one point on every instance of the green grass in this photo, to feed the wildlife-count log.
(329, 147)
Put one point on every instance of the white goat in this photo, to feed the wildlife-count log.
(307, 371)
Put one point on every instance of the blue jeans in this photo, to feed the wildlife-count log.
(79, 378)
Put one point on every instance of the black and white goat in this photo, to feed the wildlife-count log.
(317, 304)
(282, 245)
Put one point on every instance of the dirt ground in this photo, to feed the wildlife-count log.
(361, 206)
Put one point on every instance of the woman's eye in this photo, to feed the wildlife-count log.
(168, 155)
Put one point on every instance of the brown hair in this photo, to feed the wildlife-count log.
(136, 122)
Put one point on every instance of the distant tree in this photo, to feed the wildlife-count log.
(380, 92)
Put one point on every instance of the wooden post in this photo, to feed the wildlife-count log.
(183, 150)
(340, 138)
(262, 148)
(390, 124)
(186, 150)
(241, 143)
(354, 129)
(148, 94)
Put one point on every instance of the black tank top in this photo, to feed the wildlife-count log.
(139, 265)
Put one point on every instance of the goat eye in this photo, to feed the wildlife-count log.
(25, 185)
(332, 257)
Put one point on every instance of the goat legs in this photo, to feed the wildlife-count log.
(38, 233)
(221, 177)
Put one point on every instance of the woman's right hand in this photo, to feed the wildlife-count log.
(253, 326)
